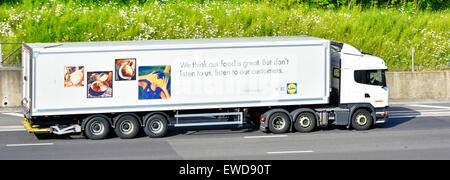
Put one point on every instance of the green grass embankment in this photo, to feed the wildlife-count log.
(387, 33)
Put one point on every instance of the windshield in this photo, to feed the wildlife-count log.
(371, 77)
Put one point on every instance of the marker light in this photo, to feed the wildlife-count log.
(263, 118)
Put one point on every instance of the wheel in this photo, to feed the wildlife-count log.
(362, 120)
(279, 123)
(156, 126)
(305, 122)
(97, 128)
(127, 127)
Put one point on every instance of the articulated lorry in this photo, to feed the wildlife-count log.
(281, 84)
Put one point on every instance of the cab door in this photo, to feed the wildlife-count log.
(375, 90)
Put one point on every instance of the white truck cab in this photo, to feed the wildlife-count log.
(362, 80)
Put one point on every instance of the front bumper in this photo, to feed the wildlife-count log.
(381, 115)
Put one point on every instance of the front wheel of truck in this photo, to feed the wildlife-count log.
(362, 120)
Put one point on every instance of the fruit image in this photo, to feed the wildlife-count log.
(95, 87)
(100, 86)
(127, 71)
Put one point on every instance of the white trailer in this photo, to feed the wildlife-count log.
(280, 83)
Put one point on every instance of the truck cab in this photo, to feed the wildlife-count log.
(361, 80)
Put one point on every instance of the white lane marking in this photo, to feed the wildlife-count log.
(429, 106)
(417, 111)
(34, 144)
(290, 152)
(420, 113)
(414, 116)
(11, 128)
(14, 114)
(273, 136)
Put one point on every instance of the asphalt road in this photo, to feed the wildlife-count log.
(416, 130)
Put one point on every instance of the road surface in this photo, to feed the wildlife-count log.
(418, 130)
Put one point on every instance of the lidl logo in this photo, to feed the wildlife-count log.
(291, 88)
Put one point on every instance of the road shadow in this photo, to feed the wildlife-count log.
(211, 130)
(398, 116)
(391, 123)
(173, 131)
(49, 136)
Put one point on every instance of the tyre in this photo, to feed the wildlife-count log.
(305, 122)
(156, 126)
(362, 120)
(97, 128)
(279, 123)
(127, 127)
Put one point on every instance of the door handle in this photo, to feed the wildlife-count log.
(366, 95)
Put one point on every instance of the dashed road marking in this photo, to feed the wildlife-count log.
(437, 111)
(272, 136)
(33, 144)
(429, 106)
(290, 152)
(11, 128)
(14, 114)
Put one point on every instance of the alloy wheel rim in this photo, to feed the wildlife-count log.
(97, 128)
(361, 120)
(305, 122)
(156, 126)
(278, 122)
(126, 127)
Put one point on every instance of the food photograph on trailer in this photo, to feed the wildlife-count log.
(99, 84)
(154, 82)
(125, 69)
(73, 76)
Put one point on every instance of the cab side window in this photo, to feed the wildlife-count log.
(370, 77)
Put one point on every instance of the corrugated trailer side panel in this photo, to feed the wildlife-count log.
(176, 77)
